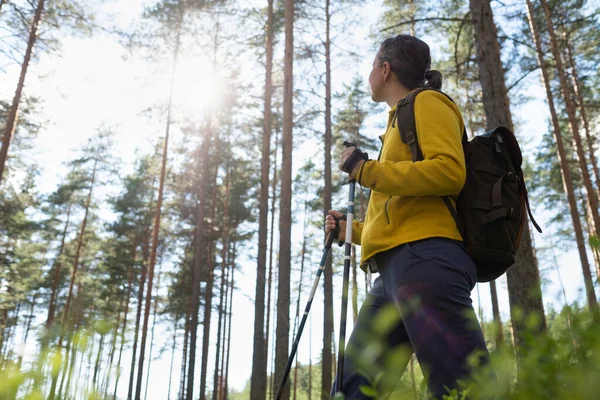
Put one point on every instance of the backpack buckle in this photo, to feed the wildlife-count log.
(410, 136)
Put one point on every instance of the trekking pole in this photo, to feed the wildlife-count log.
(329, 240)
(342, 341)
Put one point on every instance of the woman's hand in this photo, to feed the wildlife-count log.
(346, 153)
(330, 224)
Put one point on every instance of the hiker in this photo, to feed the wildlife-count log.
(409, 235)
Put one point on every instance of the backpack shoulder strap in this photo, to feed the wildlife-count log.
(405, 118)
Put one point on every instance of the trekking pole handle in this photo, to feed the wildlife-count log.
(337, 230)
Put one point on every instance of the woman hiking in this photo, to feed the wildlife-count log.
(410, 237)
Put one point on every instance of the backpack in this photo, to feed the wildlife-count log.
(490, 211)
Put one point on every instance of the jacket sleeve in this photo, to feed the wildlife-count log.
(441, 173)
(357, 227)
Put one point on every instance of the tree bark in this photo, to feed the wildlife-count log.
(498, 333)
(583, 165)
(13, 114)
(258, 385)
(524, 287)
(564, 163)
(327, 361)
(285, 213)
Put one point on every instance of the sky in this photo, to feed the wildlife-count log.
(93, 81)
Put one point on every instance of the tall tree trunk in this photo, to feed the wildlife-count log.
(571, 112)
(12, 332)
(524, 288)
(218, 372)
(124, 328)
(285, 210)
(97, 363)
(111, 357)
(174, 341)
(224, 334)
(564, 163)
(13, 113)
(208, 295)
(258, 384)
(154, 312)
(27, 328)
(327, 361)
(498, 333)
(270, 278)
(231, 288)
(578, 88)
(184, 357)
(78, 250)
(140, 304)
(56, 267)
(297, 316)
(155, 232)
(198, 273)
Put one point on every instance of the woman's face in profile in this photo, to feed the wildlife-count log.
(376, 80)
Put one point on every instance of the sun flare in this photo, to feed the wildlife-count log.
(197, 87)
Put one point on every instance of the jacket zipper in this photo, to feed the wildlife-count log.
(387, 215)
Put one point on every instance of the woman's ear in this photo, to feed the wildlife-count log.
(386, 70)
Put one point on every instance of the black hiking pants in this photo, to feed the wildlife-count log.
(420, 303)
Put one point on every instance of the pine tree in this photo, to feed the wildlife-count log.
(523, 278)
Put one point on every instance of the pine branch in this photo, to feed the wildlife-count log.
(413, 21)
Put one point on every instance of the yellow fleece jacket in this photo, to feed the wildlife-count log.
(406, 203)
